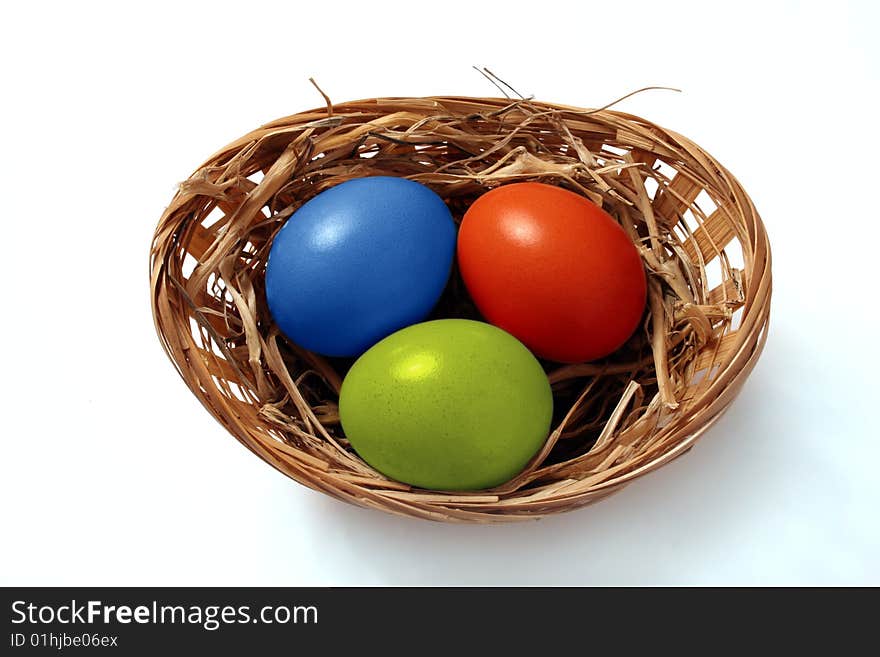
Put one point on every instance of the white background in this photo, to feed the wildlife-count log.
(113, 474)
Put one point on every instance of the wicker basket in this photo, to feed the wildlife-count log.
(703, 244)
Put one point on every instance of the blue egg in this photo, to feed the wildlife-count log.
(358, 262)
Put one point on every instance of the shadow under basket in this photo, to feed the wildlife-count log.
(702, 242)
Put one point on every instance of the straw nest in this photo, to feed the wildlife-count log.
(702, 242)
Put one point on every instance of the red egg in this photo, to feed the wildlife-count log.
(553, 269)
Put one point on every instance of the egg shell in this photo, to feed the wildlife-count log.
(553, 269)
(359, 261)
(450, 404)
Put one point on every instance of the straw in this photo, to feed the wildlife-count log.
(703, 244)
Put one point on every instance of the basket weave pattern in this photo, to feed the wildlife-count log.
(702, 241)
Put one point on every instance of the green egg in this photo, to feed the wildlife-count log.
(450, 404)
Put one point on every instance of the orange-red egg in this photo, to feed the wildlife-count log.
(553, 269)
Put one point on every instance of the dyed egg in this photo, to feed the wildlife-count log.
(359, 261)
(450, 404)
(553, 269)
